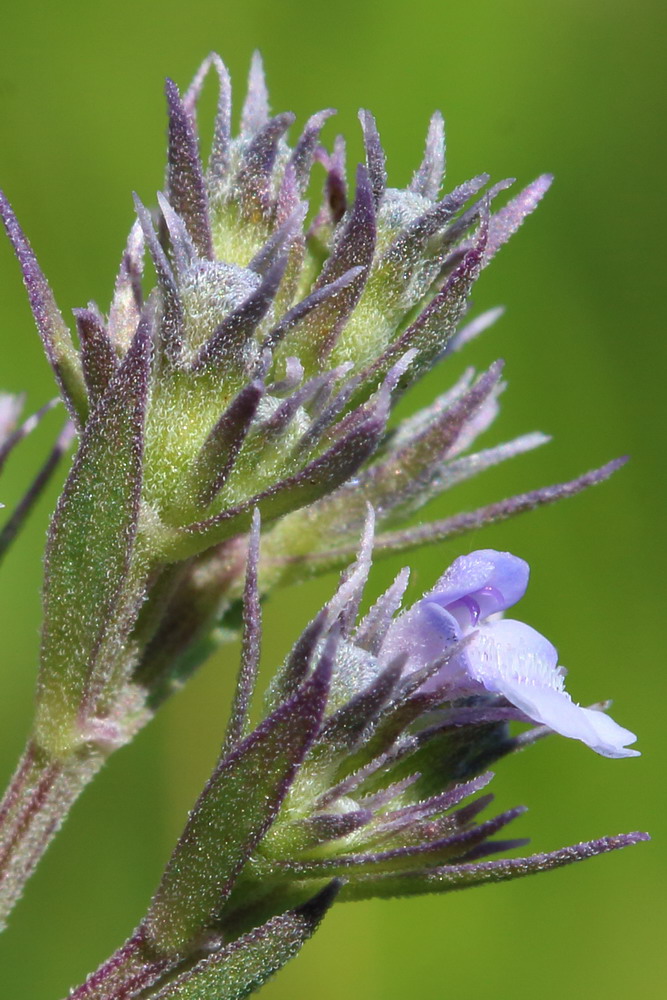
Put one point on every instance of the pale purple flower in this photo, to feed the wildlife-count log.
(501, 656)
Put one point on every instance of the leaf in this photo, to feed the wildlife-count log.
(428, 177)
(91, 539)
(242, 967)
(232, 815)
(98, 358)
(313, 337)
(375, 157)
(253, 180)
(450, 877)
(18, 516)
(222, 129)
(505, 223)
(218, 453)
(251, 643)
(56, 338)
(320, 476)
(185, 177)
(255, 111)
(125, 311)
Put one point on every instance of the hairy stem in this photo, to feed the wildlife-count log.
(130, 970)
(39, 797)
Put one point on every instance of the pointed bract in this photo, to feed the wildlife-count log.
(185, 177)
(428, 178)
(225, 826)
(55, 336)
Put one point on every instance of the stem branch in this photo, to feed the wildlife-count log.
(35, 805)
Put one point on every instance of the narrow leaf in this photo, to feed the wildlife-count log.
(344, 728)
(56, 338)
(505, 223)
(241, 968)
(299, 662)
(394, 542)
(409, 244)
(10, 410)
(428, 177)
(375, 158)
(255, 111)
(125, 311)
(226, 345)
(331, 826)
(303, 156)
(185, 177)
(222, 130)
(18, 516)
(450, 877)
(250, 645)
(232, 815)
(218, 453)
(313, 338)
(253, 180)
(91, 538)
(98, 358)
(400, 857)
(183, 250)
(324, 293)
(405, 541)
(171, 325)
(319, 477)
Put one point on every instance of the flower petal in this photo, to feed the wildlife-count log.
(495, 580)
(512, 659)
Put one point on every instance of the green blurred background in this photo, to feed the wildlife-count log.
(525, 87)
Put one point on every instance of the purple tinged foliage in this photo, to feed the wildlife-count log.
(402, 819)
(98, 358)
(93, 531)
(186, 186)
(251, 643)
(505, 223)
(125, 310)
(199, 876)
(255, 111)
(240, 968)
(255, 384)
(216, 458)
(375, 158)
(56, 338)
(428, 177)
(303, 157)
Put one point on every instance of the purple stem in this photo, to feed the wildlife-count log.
(36, 488)
(35, 805)
(128, 972)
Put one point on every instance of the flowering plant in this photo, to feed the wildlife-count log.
(235, 435)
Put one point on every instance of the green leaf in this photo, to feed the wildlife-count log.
(232, 815)
(243, 966)
(91, 540)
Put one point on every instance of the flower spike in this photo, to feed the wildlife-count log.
(256, 383)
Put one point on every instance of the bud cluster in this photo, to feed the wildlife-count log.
(361, 781)
(254, 383)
